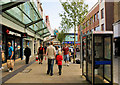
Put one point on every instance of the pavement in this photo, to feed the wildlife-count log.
(36, 73)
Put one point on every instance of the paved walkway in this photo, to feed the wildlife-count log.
(18, 64)
(37, 74)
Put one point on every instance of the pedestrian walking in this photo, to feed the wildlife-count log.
(40, 53)
(27, 53)
(51, 52)
(59, 59)
(66, 54)
(10, 59)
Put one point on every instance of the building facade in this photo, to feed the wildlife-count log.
(99, 18)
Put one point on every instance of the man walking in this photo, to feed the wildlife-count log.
(66, 54)
(51, 56)
(27, 53)
(10, 59)
(40, 53)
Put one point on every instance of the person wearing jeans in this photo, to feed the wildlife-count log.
(10, 59)
(51, 52)
(50, 66)
(66, 54)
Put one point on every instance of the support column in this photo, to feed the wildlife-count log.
(32, 47)
(37, 45)
(21, 49)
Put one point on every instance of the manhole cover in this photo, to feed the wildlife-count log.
(26, 70)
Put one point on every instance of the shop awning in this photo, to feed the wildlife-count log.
(25, 14)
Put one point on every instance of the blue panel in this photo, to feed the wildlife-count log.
(102, 62)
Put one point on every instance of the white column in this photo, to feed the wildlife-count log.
(37, 45)
(32, 47)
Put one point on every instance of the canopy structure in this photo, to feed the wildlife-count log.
(25, 14)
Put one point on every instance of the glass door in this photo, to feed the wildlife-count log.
(107, 57)
(89, 58)
(84, 57)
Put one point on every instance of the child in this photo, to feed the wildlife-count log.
(59, 59)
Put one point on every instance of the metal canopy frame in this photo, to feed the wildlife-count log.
(49, 39)
(41, 29)
(10, 5)
(46, 35)
(33, 22)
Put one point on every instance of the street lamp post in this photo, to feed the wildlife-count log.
(74, 41)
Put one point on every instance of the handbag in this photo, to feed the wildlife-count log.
(3, 57)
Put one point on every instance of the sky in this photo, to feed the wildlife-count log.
(52, 8)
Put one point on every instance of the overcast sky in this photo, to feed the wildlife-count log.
(52, 8)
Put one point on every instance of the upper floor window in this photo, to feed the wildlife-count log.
(98, 15)
(102, 13)
(102, 27)
(97, 28)
(92, 30)
(95, 17)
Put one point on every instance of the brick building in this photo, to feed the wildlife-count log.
(99, 18)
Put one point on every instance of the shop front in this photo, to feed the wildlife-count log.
(14, 37)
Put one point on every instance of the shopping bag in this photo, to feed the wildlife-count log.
(45, 57)
(36, 58)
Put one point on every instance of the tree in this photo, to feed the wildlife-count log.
(73, 15)
(61, 36)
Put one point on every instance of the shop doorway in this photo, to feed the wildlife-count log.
(15, 43)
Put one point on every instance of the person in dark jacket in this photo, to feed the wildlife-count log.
(27, 53)
(40, 53)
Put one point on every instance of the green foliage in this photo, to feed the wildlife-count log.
(61, 36)
(74, 13)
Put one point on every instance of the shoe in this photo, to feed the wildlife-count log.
(2, 67)
(67, 64)
(39, 62)
(51, 74)
(47, 73)
(10, 71)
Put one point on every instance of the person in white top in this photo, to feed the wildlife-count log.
(51, 52)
